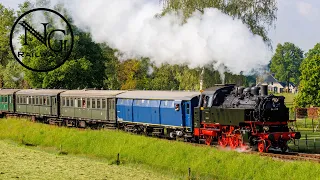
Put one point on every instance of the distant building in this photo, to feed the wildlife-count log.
(274, 85)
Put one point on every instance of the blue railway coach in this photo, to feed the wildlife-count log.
(163, 113)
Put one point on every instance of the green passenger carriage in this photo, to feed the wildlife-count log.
(7, 99)
(95, 107)
(42, 102)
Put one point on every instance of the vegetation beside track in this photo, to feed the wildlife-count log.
(20, 162)
(160, 155)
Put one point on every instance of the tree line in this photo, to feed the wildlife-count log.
(98, 66)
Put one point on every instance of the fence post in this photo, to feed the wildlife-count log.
(305, 122)
(189, 173)
(307, 141)
(118, 159)
(314, 143)
(312, 125)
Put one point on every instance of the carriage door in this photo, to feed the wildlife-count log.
(111, 109)
(187, 110)
(53, 105)
(10, 103)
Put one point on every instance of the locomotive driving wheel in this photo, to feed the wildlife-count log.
(233, 142)
(222, 141)
(262, 146)
(208, 140)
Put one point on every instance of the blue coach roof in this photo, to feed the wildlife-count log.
(168, 95)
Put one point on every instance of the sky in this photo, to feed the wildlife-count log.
(298, 21)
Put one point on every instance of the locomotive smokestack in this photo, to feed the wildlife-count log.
(264, 90)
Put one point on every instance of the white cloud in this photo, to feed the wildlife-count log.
(304, 8)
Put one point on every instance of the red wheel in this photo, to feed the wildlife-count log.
(262, 147)
(234, 142)
(222, 141)
(208, 140)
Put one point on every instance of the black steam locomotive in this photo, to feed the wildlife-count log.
(242, 117)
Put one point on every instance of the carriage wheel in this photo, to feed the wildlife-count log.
(262, 146)
(208, 140)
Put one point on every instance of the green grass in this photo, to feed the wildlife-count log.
(31, 163)
(168, 157)
(289, 97)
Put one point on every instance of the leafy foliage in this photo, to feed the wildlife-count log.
(6, 21)
(94, 65)
(286, 62)
(310, 79)
(256, 14)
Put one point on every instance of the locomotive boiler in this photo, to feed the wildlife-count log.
(243, 117)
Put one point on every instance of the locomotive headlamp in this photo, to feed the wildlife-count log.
(266, 128)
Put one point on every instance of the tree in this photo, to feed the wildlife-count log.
(309, 88)
(85, 67)
(285, 63)
(13, 75)
(6, 21)
(133, 74)
(254, 13)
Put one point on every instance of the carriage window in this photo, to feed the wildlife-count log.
(37, 100)
(55, 100)
(83, 103)
(98, 103)
(177, 108)
(71, 102)
(93, 103)
(10, 99)
(79, 102)
(5, 99)
(188, 109)
(68, 100)
(32, 100)
(63, 101)
(48, 101)
(88, 102)
(103, 103)
(44, 100)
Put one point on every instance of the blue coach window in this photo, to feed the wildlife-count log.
(177, 108)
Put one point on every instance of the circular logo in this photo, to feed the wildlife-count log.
(46, 51)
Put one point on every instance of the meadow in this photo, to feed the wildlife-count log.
(167, 157)
(21, 162)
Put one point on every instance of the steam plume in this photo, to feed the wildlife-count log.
(131, 27)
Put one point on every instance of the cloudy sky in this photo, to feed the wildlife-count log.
(298, 22)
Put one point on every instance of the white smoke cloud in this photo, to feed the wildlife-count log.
(131, 27)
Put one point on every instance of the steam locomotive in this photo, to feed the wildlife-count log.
(240, 117)
(225, 114)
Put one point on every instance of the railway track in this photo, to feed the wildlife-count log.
(292, 156)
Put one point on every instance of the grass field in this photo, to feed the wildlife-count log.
(19, 162)
(162, 156)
